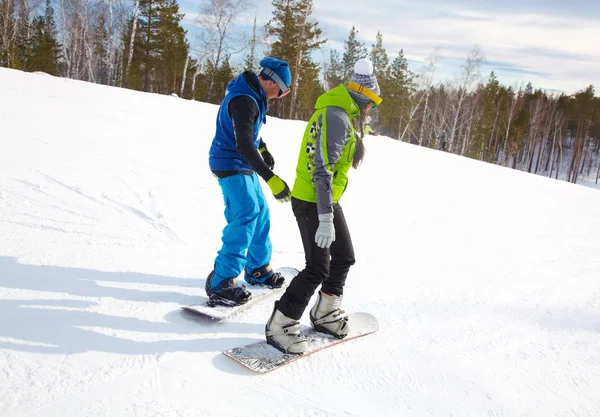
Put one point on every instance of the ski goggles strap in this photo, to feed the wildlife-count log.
(273, 75)
(361, 89)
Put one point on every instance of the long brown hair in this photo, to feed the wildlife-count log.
(359, 126)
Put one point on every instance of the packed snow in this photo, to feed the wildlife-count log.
(485, 280)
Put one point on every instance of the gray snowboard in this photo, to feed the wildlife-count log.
(258, 294)
(262, 358)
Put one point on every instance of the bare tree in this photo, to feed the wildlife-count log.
(216, 19)
(8, 32)
(252, 57)
(494, 134)
(89, 56)
(598, 173)
(196, 73)
(538, 112)
(511, 103)
(426, 77)
(464, 82)
(136, 12)
(411, 115)
(472, 117)
(111, 42)
(120, 12)
(553, 129)
(63, 27)
(185, 67)
(75, 33)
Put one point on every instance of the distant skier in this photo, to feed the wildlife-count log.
(235, 159)
(368, 129)
(333, 140)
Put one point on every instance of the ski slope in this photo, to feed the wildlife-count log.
(485, 280)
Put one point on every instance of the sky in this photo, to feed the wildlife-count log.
(484, 279)
(553, 44)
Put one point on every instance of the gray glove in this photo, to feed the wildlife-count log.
(325, 232)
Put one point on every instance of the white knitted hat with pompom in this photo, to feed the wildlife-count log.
(363, 75)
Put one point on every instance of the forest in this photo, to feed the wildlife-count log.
(142, 45)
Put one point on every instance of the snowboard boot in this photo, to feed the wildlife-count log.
(227, 293)
(264, 277)
(326, 316)
(283, 333)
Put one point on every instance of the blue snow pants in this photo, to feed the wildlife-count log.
(246, 241)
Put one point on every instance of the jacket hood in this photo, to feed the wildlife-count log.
(247, 84)
(338, 97)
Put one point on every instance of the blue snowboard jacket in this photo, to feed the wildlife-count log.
(223, 155)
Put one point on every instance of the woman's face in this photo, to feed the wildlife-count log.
(365, 111)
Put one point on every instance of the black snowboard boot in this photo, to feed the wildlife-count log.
(226, 293)
(264, 277)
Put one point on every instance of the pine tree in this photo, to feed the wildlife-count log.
(380, 61)
(379, 57)
(24, 28)
(145, 46)
(202, 81)
(311, 89)
(487, 131)
(223, 76)
(395, 110)
(171, 48)
(130, 39)
(582, 116)
(45, 48)
(353, 51)
(334, 72)
(294, 37)
(100, 46)
(160, 50)
(520, 130)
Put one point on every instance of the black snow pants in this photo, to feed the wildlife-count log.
(327, 266)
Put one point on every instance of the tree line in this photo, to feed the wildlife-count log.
(141, 45)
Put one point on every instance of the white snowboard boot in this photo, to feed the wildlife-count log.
(326, 316)
(283, 333)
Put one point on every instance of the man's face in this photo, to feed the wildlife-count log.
(272, 90)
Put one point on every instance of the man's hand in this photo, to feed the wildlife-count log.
(279, 189)
(267, 157)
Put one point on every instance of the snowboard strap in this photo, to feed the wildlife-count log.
(292, 329)
(332, 317)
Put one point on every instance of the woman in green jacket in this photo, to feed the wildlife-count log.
(333, 142)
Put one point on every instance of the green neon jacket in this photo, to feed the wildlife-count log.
(327, 150)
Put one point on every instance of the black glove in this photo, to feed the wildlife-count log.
(267, 157)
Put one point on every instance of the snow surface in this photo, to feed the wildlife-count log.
(485, 280)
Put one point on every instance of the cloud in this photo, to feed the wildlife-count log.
(556, 49)
(552, 43)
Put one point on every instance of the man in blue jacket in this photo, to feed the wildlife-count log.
(237, 157)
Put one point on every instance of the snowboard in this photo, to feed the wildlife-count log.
(258, 294)
(262, 358)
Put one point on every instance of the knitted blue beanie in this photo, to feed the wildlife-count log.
(278, 71)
